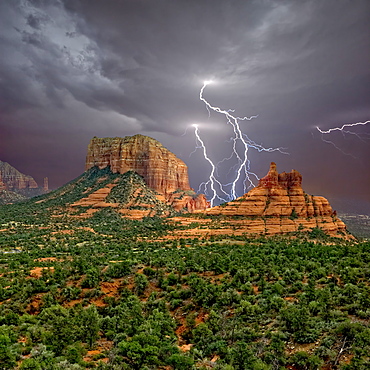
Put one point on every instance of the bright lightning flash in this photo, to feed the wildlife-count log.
(212, 179)
(243, 163)
(343, 131)
(342, 128)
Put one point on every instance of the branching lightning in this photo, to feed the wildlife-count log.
(242, 168)
(212, 179)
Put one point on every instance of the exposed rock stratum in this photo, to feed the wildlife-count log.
(278, 205)
(16, 186)
(161, 170)
(15, 180)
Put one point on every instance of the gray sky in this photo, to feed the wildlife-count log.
(74, 69)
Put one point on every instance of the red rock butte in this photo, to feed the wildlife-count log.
(278, 195)
(160, 168)
(278, 205)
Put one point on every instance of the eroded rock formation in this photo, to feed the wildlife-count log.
(15, 180)
(277, 205)
(160, 168)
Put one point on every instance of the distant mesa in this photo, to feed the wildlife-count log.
(16, 186)
(15, 180)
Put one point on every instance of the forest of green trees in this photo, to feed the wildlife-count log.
(110, 293)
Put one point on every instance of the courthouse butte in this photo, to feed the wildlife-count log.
(161, 170)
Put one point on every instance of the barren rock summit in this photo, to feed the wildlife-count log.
(16, 186)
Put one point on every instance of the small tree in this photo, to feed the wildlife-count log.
(89, 322)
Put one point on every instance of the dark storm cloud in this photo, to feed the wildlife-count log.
(88, 67)
(36, 21)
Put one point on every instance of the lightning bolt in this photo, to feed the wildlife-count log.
(234, 121)
(343, 131)
(342, 128)
(243, 163)
(212, 179)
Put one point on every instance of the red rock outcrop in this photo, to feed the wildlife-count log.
(15, 180)
(277, 205)
(192, 202)
(278, 195)
(160, 168)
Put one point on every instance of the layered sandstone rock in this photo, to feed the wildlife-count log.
(188, 200)
(160, 168)
(15, 180)
(277, 195)
(278, 205)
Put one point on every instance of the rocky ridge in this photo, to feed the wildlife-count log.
(15, 186)
(278, 205)
(161, 170)
(15, 180)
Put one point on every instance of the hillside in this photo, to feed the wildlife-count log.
(7, 197)
(98, 189)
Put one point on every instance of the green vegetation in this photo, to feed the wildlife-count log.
(111, 293)
(294, 214)
(108, 299)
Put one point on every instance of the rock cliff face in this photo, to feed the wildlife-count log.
(2, 185)
(277, 205)
(15, 180)
(160, 168)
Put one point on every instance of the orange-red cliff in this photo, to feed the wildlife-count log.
(160, 168)
(281, 201)
(278, 205)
